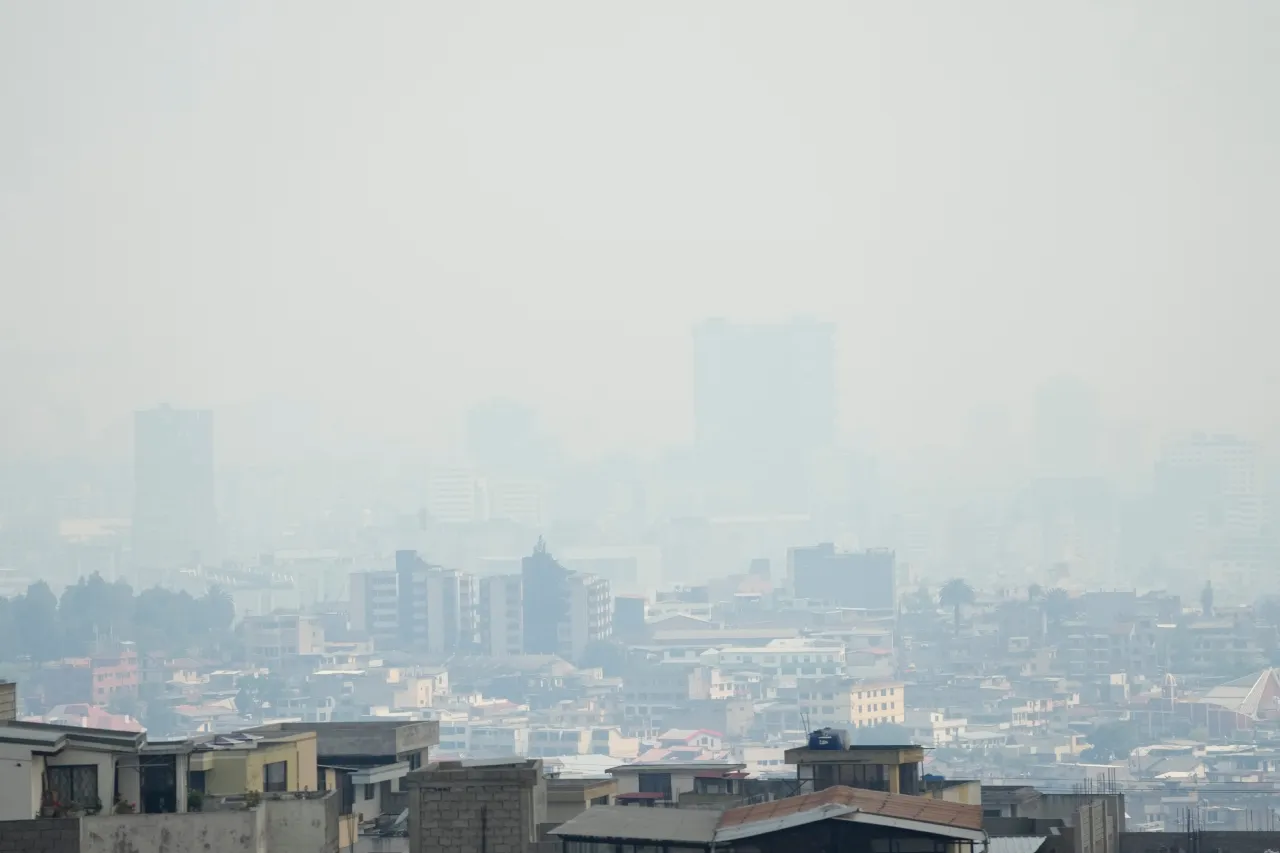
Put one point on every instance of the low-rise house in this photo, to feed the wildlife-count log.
(264, 761)
(87, 768)
(365, 762)
(664, 782)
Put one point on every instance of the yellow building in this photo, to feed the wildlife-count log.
(241, 762)
(851, 704)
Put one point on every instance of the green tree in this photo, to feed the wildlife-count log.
(1206, 600)
(1111, 742)
(956, 593)
(36, 618)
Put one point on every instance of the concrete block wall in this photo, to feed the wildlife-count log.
(40, 836)
(1208, 842)
(456, 807)
(8, 701)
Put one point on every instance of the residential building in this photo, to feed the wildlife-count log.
(175, 522)
(366, 762)
(256, 760)
(665, 782)
(590, 614)
(502, 615)
(375, 609)
(277, 636)
(893, 769)
(437, 606)
(798, 658)
(563, 611)
(455, 496)
(87, 767)
(845, 704)
(934, 728)
(115, 674)
(865, 579)
(521, 501)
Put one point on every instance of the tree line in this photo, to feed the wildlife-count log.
(40, 626)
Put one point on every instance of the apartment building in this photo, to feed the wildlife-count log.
(270, 639)
(844, 704)
(501, 616)
(375, 609)
(590, 613)
(798, 658)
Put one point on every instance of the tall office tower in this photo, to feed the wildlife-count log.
(175, 520)
(764, 408)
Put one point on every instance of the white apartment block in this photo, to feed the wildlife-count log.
(798, 658)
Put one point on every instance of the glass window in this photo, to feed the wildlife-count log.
(275, 776)
(74, 783)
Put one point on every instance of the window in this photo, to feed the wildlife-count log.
(370, 791)
(195, 780)
(275, 776)
(415, 760)
(74, 783)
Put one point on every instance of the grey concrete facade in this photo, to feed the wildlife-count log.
(458, 807)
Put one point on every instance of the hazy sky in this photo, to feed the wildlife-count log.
(396, 209)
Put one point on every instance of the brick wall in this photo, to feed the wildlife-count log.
(40, 836)
(490, 808)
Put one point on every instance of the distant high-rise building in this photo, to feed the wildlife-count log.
(863, 579)
(502, 615)
(455, 496)
(375, 608)
(764, 407)
(437, 606)
(175, 519)
(504, 439)
(1067, 427)
(521, 501)
(563, 611)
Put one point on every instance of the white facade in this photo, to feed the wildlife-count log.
(501, 615)
(590, 613)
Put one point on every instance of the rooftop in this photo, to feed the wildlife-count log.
(704, 827)
(696, 826)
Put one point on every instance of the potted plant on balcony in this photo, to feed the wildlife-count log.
(195, 801)
(93, 806)
(49, 805)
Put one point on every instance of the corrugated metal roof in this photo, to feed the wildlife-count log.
(693, 826)
(1015, 843)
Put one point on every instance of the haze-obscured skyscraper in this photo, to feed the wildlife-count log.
(175, 519)
(764, 406)
(1067, 428)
